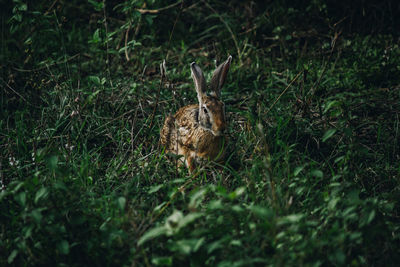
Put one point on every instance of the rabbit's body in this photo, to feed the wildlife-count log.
(183, 135)
(196, 131)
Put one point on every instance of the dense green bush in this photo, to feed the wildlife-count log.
(313, 102)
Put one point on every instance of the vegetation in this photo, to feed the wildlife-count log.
(313, 104)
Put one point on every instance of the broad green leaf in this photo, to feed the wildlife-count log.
(297, 170)
(41, 193)
(52, 162)
(155, 188)
(261, 212)
(218, 243)
(189, 218)
(317, 173)
(239, 191)
(63, 247)
(215, 204)
(152, 233)
(197, 198)
(37, 215)
(330, 105)
(187, 246)
(332, 203)
(94, 79)
(371, 216)
(12, 256)
(121, 203)
(174, 219)
(21, 198)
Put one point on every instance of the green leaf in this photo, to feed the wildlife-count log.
(98, 6)
(37, 215)
(160, 206)
(239, 191)
(328, 134)
(52, 162)
(3, 194)
(317, 173)
(261, 212)
(63, 247)
(96, 36)
(218, 243)
(94, 79)
(197, 198)
(12, 256)
(152, 233)
(371, 216)
(189, 218)
(333, 202)
(163, 261)
(42, 192)
(17, 186)
(174, 220)
(23, 7)
(155, 188)
(121, 203)
(187, 246)
(297, 170)
(103, 226)
(330, 105)
(236, 242)
(21, 198)
(215, 204)
(290, 219)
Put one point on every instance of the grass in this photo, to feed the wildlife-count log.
(312, 173)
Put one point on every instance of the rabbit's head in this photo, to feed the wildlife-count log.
(211, 116)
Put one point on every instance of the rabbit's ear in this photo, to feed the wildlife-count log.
(199, 81)
(219, 76)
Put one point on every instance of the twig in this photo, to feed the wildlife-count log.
(162, 72)
(333, 44)
(107, 47)
(50, 65)
(126, 41)
(287, 87)
(173, 29)
(138, 25)
(45, 14)
(18, 94)
(2, 183)
(114, 119)
(228, 28)
(155, 11)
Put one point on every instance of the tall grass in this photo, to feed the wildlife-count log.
(312, 173)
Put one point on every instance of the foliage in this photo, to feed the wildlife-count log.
(312, 98)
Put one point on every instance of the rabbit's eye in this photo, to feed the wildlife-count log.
(205, 110)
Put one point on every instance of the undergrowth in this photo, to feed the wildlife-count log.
(312, 101)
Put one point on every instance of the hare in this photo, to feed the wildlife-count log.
(197, 131)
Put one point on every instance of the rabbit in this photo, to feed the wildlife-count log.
(197, 131)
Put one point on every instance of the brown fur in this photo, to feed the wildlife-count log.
(182, 135)
(196, 131)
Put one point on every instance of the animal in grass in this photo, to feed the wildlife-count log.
(196, 131)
